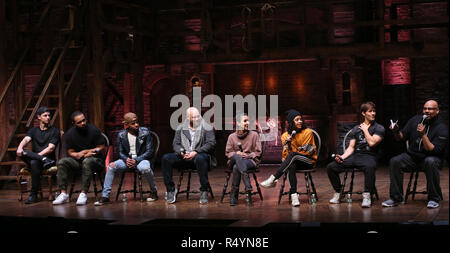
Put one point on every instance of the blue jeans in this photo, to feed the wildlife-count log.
(144, 167)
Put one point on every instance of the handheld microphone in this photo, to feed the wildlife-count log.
(423, 118)
(287, 142)
(182, 151)
(334, 156)
(240, 146)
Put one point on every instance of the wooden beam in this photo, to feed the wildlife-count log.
(3, 73)
(96, 95)
(370, 50)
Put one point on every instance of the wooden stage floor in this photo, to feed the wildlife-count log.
(134, 212)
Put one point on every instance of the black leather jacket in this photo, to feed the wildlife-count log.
(144, 146)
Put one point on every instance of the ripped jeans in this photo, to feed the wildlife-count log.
(144, 167)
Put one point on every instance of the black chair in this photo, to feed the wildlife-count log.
(253, 172)
(312, 196)
(350, 192)
(137, 174)
(96, 175)
(414, 173)
(190, 168)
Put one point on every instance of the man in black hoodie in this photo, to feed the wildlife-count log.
(427, 139)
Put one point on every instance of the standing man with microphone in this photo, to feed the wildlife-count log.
(428, 138)
(299, 152)
(243, 150)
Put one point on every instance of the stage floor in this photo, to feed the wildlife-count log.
(134, 212)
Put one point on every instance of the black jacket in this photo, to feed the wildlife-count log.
(144, 146)
(437, 133)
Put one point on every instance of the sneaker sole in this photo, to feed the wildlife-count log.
(65, 201)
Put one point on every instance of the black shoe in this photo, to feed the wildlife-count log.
(234, 194)
(102, 201)
(248, 198)
(153, 196)
(48, 163)
(31, 199)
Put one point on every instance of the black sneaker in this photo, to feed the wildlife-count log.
(31, 199)
(102, 201)
(153, 196)
(48, 163)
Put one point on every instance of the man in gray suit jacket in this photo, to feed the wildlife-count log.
(194, 143)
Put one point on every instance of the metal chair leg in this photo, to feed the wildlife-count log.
(313, 187)
(134, 185)
(120, 185)
(282, 188)
(140, 187)
(351, 185)
(415, 185)
(179, 182)
(225, 186)
(308, 191)
(343, 185)
(257, 186)
(188, 185)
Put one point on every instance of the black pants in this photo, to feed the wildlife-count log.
(35, 163)
(173, 160)
(364, 162)
(291, 165)
(240, 167)
(406, 163)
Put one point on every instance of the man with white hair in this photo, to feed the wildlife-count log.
(194, 143)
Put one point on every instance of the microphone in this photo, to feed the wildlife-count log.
(423, 118)
(292, 135)
(240, 146)
(182, 151)
(334, 156)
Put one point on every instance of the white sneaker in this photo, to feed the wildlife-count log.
(82, 199)
(366, 202)
(336, 198)
(62, 198)
(294, 199)
(270, 182)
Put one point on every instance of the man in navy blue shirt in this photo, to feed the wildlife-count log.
(427, 138)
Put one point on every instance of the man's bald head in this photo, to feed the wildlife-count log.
(431, 108)
(131, 121)
(129, 117)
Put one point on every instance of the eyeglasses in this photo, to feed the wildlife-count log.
(429, 108)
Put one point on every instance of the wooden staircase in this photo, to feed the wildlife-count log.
(51, 90)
